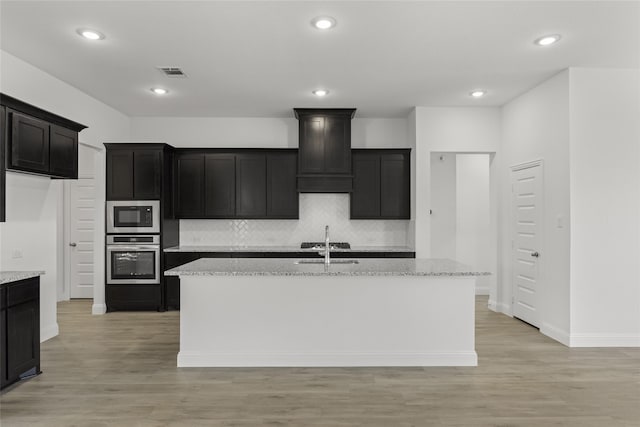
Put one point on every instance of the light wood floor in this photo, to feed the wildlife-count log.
(119, 370)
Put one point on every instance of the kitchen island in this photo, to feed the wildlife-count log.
(282, 312)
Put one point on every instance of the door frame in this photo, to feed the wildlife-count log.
(541, 236)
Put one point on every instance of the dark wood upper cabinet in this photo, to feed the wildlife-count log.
(189, 190)
(135, 171)
(3, 178)
(244, 183)
(365, 198)
(324, 156)
(119, 174)
(63, 152)
(395, 185)
(282, 194)
(251, 186)
(37, 141)
(29, 143)
(147, 174)
(220, 186)
(381, 184)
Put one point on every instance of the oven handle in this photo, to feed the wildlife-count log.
(133, 248)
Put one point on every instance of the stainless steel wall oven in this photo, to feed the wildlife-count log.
(133, 259)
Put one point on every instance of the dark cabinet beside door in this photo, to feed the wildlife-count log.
(20, 330)
(134, 173)
(29, 143)
(381, 184)
(63, 152)
(37, 141)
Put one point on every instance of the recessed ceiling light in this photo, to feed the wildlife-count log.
(479, 93)
(159, 91)
(547, 40)
(90, 34)
(320, 92)
(323, 22)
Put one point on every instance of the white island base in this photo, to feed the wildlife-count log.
(319, 321)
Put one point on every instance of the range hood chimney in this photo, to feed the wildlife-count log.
(324, 154)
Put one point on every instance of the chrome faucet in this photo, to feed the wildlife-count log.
(327, 247)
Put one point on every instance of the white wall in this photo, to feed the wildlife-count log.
(315, 210)
(443, 205)
(536, 126)
(473, 216)
(605, 207)
(34, 204)
(456, 130)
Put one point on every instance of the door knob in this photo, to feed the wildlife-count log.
(73, 244)
(535, 254)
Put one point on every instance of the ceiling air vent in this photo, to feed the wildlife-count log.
(172, 71)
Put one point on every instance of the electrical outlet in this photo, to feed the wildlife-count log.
(16, 253)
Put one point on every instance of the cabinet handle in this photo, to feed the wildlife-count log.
(73, 244)
(535, 254)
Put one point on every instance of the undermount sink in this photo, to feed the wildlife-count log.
(321, 261)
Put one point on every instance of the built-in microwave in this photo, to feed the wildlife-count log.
(133, 216)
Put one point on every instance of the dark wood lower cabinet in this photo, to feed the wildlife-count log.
(134, 297)
(19, 330)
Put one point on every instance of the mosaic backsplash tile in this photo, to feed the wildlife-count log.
(316, 211)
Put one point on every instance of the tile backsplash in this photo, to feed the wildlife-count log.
(316, 211)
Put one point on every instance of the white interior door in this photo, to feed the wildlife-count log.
(81, 228)
(526, 186)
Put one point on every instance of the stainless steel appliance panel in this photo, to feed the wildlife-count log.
(133, 216)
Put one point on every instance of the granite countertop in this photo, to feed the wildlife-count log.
(14, 276)
(288, 267)
(221, 248)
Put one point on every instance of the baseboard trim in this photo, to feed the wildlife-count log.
(503, 308)
(49, 331)
(199, 359)
(98, 309)
(605, 340)
(555, 333)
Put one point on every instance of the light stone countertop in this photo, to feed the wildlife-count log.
(288, 267)
(221, 248)
(14, 276)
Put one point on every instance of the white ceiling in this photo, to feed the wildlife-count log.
(263, 58)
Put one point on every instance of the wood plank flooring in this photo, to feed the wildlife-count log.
(119, 370)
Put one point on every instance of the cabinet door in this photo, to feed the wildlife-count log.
(3, 185)
(63, 152)
(311, 151)
(119, 174)
(251, 188)
(337, 145)
(220, 186)
(189, 186)
(147, 174)
(395, 186)
(29, 143)
(4, 379)
(282, 195)
(23, 338)
(365, 198)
